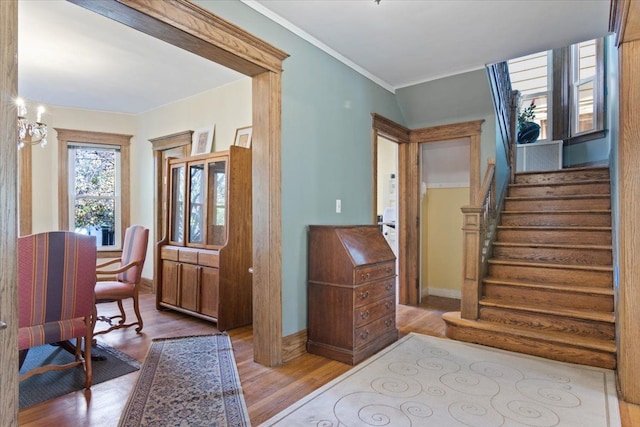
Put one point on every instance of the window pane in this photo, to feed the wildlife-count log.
(94, 192)
(585, 120)
(529, 74)
(96, 217)
(541, 113)
(587, 59)
(95, 172)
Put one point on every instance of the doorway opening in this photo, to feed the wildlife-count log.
(444, 189)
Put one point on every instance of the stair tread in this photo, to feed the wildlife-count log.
(563, 170)
(521, 263)
(560, 197)
(559, 212)
(560, 184)
(584, 314)
(608, 346)
(555, 227)
(554, 246)
(550, 286)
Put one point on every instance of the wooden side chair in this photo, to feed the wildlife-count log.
(56, 280)
(124, 282)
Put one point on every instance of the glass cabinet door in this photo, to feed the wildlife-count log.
(196, 203)
(178, 186)
(217, 203)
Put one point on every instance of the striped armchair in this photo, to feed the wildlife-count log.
(56, 281)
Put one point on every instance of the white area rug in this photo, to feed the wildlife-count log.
(427, 381)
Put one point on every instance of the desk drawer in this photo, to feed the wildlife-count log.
(374, 272)
(367, 313)
(367, 333)
(371, 292)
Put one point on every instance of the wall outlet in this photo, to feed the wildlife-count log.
(338, 205)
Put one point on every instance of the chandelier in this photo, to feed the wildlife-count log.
(32, 133)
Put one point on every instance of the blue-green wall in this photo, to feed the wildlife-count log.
(459, 98)
(326, 146)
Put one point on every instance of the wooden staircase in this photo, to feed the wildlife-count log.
(548, 290)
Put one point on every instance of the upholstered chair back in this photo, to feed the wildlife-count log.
(134, 249)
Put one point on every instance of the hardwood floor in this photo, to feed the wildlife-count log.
(266, 390)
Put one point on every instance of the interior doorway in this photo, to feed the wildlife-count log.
(387, 195)
(444, 189)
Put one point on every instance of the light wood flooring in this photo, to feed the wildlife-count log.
(266, 390)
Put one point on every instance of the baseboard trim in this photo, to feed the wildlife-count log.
(294, 345)
(445, 293)
(146, 284)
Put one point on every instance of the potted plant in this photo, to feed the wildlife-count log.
(528, 130)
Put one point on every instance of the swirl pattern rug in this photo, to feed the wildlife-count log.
(187, 381)
(427, 381)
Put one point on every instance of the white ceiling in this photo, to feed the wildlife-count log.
(75, 58)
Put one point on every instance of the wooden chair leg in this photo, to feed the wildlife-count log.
(136, 309)
(123, 314)
(88, 369)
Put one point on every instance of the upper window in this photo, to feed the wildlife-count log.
(567, 87)
(94, 192)
(93, 185)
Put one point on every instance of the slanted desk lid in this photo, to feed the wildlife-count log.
(365, 245)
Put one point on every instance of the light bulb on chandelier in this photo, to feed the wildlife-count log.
(32, 133)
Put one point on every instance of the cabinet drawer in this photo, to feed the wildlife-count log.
(374, 272)
(209, 258)
(188, 255)
(371, 292)
(169, 253)
(369, 312)
(369, 332)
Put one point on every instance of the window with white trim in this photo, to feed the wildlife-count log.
(94, 192)
(567, 87)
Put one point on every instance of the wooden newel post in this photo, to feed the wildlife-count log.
(472, 231)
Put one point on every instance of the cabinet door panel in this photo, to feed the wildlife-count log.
(170, 282)
(209, 291)
(189, 287)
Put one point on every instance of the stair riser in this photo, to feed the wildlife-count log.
(559, 190)
(595, 202)
(585, 219)
(549, 322)
(550, 350)
(554, 255)
(568, 299)
(551, 275)
(565, 175)
(569, 237)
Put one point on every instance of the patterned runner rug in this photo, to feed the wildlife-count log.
(427, 381)
(57, 383)
(188, 381)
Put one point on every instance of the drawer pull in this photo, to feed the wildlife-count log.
(365, 276)
(388, 269)
(364, 314)
(388, 286)
(364, 294)
(388, 305)
(364, 335)
(388, 322)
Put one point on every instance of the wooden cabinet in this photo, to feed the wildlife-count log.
(351, 292)
(206, 253)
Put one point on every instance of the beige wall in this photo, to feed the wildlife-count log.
(228, 107)
(441, 262)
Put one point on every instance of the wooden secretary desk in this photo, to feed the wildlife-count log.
(204, 257)
(351, 292)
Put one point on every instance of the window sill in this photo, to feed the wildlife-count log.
(589, 136)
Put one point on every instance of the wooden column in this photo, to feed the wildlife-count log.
(472, 233)
(8, 213)
(267, 228)
(625, 22)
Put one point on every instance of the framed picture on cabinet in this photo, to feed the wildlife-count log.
(202, 140)
(243, 137)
